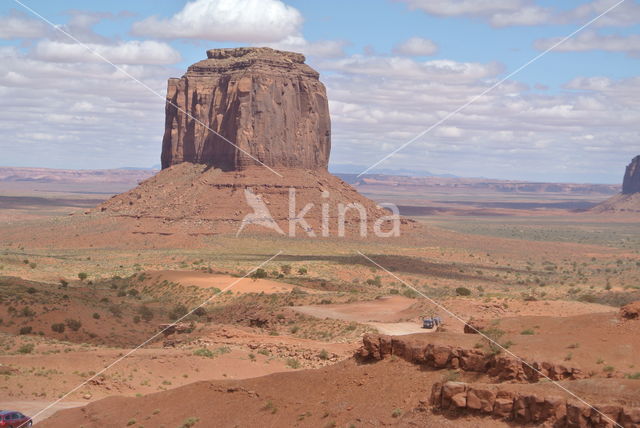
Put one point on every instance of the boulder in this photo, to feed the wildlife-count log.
(440, 356)
(459, 400)
(608, 416)
(473, 360)
(521, 408)
(370, 347)
(503, 407)
(451, 390)
(630, 417)
(475, 326)
(482, 399)
(578, 414)
(631, 311)
(386, 346)
(507, 368)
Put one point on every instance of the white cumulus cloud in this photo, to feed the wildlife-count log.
(499, 13)
(407, 68)
(624, 14)
(416, 46)
(17, 25)
(322, 48)
(129, 52)
(591, 41)
(247, 21)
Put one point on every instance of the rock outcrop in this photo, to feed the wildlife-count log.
(630, 311)
(515, 404)
(627, 202)
(631, 182)
(268, 103)
(501, 367)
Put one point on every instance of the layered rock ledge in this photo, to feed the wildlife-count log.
(500, 367)
(514, 403)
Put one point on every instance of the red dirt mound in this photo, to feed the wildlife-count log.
(385, 393)
(194, 195)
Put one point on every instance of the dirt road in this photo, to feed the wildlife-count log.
(387, 314)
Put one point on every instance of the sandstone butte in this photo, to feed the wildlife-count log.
(268, 103)
(631, 182)
(227, 116)
(627, 202)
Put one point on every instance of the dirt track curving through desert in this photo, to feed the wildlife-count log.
(386, 314)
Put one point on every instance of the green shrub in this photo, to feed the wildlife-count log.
(259, 273)
(286, 269)
(73, 324)
(82, 276)
(26, 329)
(203, 352)
(96, 316)
(189, 422)
(528, 332)
(178, 312)
(270, 407)
(115, 310)
(58, 327)
(463, 291)
(410, 293)
(27, 312)
(494, 334)
(27, 348)
(377, 281)
(145, 313)
(293, 363)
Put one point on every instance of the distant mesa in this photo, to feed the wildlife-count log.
(631, 182)
(268, 103)
(629, 200)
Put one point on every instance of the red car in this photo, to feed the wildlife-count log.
(11, 419)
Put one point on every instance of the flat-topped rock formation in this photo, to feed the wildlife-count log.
(268, 103)
(274, 108)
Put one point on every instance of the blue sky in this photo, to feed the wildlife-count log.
(570, 116)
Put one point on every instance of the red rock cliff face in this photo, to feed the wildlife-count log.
(267, 102)
(631, 183)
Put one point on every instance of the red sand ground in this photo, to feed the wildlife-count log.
(208, 280)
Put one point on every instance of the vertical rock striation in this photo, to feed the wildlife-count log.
(269, 103)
